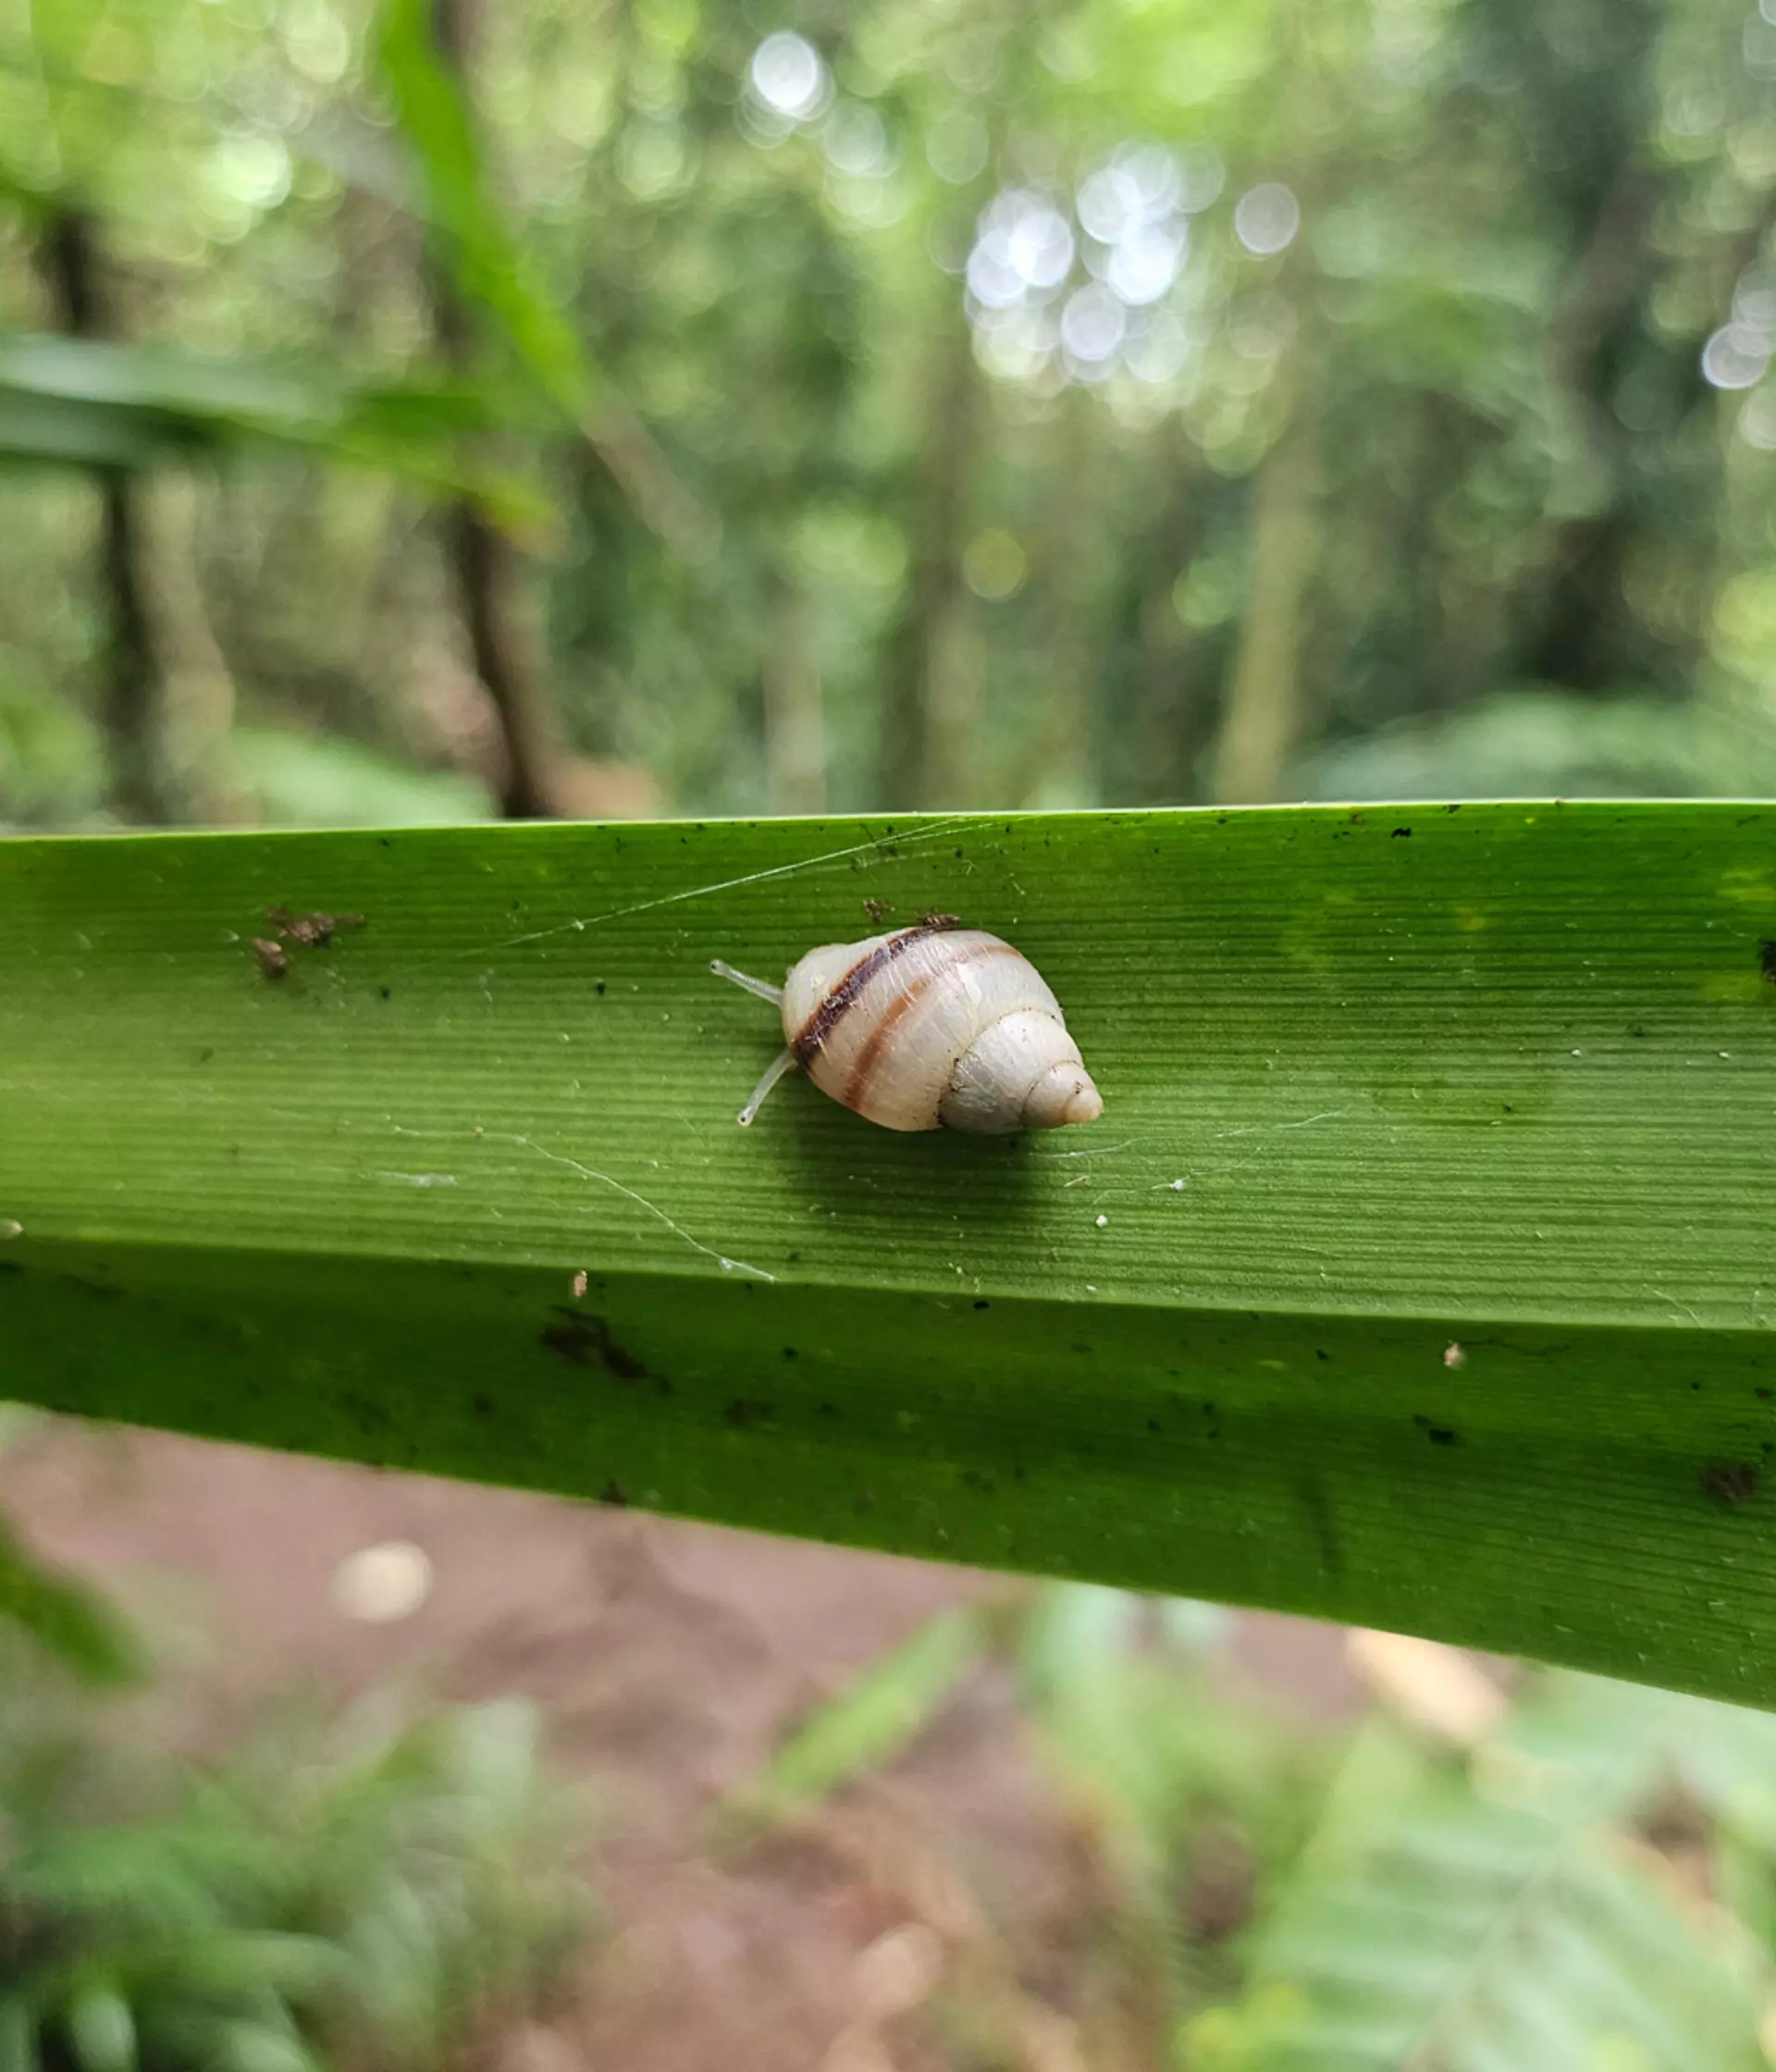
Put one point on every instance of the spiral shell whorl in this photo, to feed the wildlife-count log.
(937, 1027)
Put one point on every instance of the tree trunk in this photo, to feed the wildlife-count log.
(197, 685)
(1064, 769)
(911, 777)
(130, 685)
(795, 720)
(1262, 717)
(485, 568)
(1576, 638)
(487, 577)
(1163, 732)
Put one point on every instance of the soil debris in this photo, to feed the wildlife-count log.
(1730, 1482)
(316, 930)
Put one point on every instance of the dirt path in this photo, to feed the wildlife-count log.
(669, 1659)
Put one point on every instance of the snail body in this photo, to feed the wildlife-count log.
(929, 1028)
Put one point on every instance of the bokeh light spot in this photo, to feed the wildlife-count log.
(1040, 247)
(956, 148)
(254, 170)
(856, 142)
(1735, 357)
(1202, 177)
(994, 565)
(787, 75)
(1266, 217)
(993, 281)
(1157, 348)
(1092, 324)
(1145, 265)
(1756, 423)
(379, 1584)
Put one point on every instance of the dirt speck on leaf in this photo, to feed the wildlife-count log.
(582, 1341)
(314, 931)
(1730, 1482)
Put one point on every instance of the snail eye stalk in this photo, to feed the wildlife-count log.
(762, 987)
(784, 1062)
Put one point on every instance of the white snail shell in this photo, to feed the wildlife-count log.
(935, 1027)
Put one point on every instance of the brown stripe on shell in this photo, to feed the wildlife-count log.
(844, 996)
(857, 1085)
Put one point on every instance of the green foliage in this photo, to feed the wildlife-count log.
(362, 1889)
(1516, 241)
(865, 1726)
(74, 1626)
(302, 782)
(359, 1892)
(490, 266)
(1586, 1884)
(49, 751)
(1527, 743)
(1502, 1910)
(97, 403)
(69, 1621)
(1194, 1793)
(1130, 1726)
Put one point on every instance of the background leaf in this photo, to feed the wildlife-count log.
(868, 1724)
(102, 402)
(1492, 1913)
(487, 263)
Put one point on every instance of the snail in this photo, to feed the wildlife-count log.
(929, 1027)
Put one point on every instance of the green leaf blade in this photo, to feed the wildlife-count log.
(1458, 1322)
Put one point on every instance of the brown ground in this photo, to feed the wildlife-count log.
(669, 1659)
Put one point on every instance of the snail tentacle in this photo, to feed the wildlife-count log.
(784, 1062)
(762, 987)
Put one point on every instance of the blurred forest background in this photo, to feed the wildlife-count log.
(613, 406)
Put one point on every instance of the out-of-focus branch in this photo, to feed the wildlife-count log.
(484, 565)
(915, 646)
(484, 569)
(1261, 718)
(427, 51)
(129, 676)
(794, 721)
(657, 492)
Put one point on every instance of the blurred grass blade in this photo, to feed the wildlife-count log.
(867, 1725)
(488, 264)
(66, 1620)
(18, 2034)
(100, 2029)
(110, 403)
(493, 269)
(1420, 1272)
(1071, 1634)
